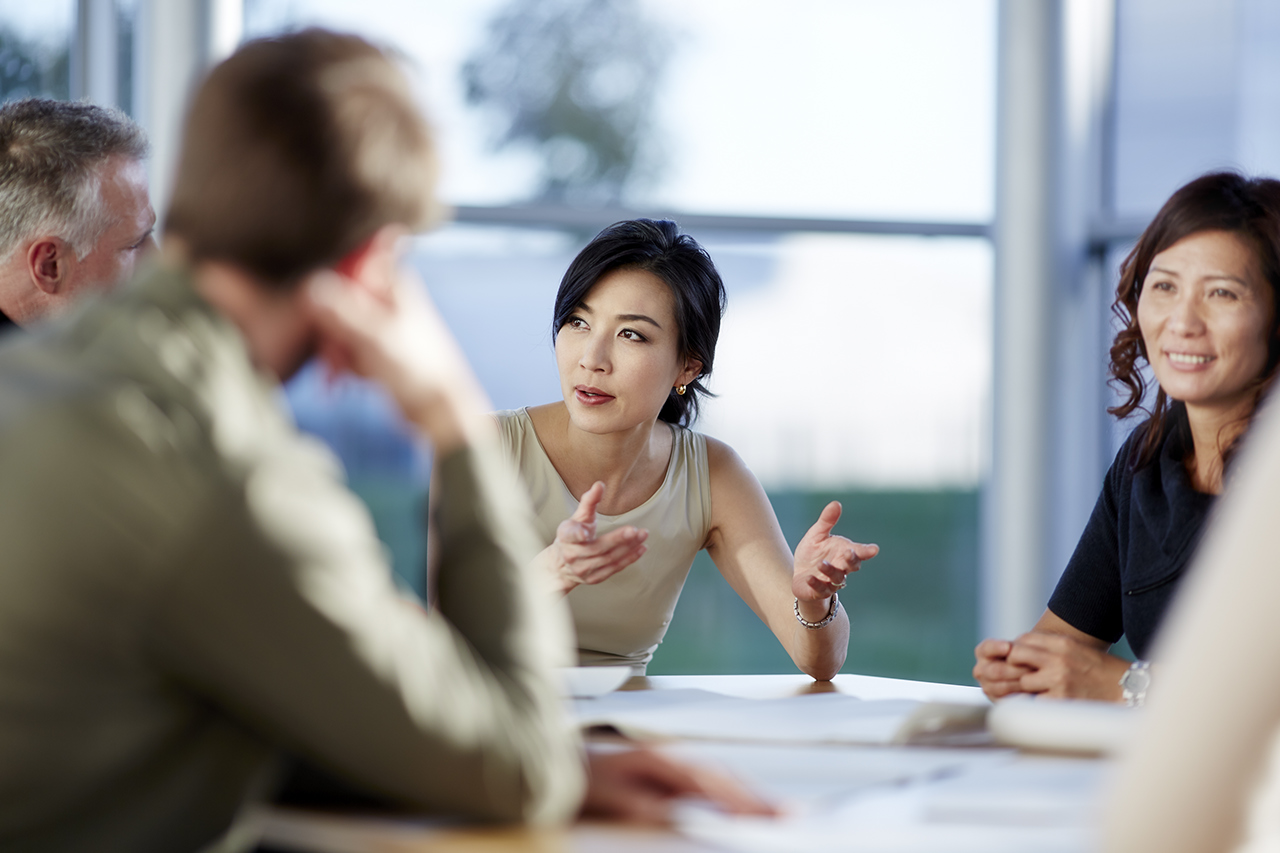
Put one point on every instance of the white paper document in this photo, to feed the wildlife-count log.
(834, 718)
(1019, 805)
(801, 778)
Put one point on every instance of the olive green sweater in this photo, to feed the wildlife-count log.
(188, 593)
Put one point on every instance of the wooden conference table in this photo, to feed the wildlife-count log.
(323, 833)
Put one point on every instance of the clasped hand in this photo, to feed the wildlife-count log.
(823, 561)
(578, 556)
(1047, 664)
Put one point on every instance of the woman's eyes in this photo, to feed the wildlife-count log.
(626, 334)
(1164, 286)
(1223, 292)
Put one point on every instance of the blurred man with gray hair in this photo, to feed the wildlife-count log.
(74, 210)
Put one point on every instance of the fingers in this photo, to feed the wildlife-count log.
(641, 786)
(1038, 650)
(997, 676)
(583, 558)
(586, 511)
(349, 316)
(999, 689)
(846, 556)
(1000, 671)
(1032, 657)
(725, 791)
(992, 649)
(607, 564)
(573, 532)
(826, 520)
(1048, 681)
(821, 571)
(825, 582)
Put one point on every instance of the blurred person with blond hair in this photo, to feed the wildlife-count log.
(1203, 773)
(193, 607)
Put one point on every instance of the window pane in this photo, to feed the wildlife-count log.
(35, 48)
(1197, 88)
(851, 368)
(815, 108)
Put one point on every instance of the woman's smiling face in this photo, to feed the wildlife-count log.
(618, 353)
(1206, 313)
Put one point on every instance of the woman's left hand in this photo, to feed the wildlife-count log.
(822, 561)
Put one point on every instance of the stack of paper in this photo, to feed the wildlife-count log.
(813, 718)
(1040, 805)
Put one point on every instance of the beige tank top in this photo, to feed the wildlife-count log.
(622, 620)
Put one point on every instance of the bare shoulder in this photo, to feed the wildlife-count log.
(722, 458)
(730, 477)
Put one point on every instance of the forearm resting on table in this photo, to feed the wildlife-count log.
(819, 652)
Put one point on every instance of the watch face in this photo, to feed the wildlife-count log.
(1136, 681)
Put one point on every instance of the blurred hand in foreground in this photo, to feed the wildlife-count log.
(642, 786)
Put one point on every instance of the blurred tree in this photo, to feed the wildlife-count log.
(575, 80)
(29, 68)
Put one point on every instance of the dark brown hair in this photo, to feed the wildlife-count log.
(1219, 201)
(296, 150)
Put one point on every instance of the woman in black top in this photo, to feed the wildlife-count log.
(1198, 300)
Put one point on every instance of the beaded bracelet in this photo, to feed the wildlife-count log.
(831, 614)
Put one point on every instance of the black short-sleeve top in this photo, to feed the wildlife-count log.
(1131, 556)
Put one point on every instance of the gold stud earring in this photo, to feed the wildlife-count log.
(680, 390)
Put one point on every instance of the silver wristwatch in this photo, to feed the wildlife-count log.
(1134, 683)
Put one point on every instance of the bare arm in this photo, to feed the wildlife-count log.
(749, 549)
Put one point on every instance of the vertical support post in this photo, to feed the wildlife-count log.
(175, 42)
(1015, 505)
(94, 57)
(1051, 332)
(1081, 438)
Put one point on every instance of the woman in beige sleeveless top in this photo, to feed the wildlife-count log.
(626, 495)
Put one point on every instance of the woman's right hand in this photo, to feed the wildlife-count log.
(577, 556)
(994, 673)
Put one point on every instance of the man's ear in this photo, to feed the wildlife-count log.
(48, 262)
(373, 263)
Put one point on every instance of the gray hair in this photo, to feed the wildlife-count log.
(50, 158)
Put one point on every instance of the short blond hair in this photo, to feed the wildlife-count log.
(296, 150)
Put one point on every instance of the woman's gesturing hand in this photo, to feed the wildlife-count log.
(822, 561)
(578, 556)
